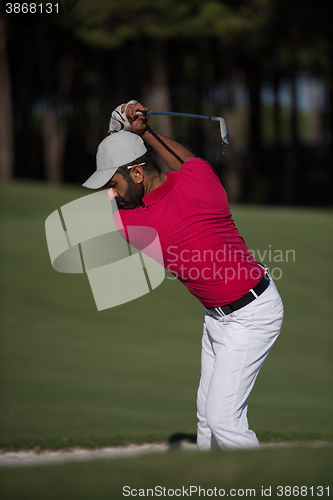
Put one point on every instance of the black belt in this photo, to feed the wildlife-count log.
(255, 292)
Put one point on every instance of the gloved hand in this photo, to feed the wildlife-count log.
(119, 120)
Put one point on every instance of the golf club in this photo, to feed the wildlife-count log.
(223, 127)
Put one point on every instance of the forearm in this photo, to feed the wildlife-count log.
(171, 152)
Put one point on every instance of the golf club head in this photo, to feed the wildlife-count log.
(224, 131)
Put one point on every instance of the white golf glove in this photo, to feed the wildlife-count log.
(119, 120)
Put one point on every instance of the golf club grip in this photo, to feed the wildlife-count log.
(142, 112)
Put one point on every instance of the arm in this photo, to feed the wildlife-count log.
(171, 152)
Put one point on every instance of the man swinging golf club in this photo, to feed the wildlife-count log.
(201, 246)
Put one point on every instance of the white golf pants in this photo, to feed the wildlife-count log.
(233, 351)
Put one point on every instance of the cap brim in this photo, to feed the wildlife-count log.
(99, 178)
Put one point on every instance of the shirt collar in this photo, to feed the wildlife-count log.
(162, 190)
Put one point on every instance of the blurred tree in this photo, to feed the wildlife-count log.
(55, 87)
(6, 108)
(191, 56)
(113, 24)
(299, 37)
(156, 91)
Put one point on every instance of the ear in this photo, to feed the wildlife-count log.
(137, 174)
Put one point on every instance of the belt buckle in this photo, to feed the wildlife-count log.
(214, 314)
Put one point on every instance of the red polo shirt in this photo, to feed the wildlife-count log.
(200, 242)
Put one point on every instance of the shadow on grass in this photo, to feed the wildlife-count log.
(176, 440)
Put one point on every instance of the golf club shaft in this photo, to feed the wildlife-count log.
(223, 127)
(144, 112)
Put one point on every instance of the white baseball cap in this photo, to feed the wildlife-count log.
(114, 151)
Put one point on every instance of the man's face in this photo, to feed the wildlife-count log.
(128, 194)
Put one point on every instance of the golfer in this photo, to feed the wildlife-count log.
(188, 207)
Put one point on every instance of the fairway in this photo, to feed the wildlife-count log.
(72, 375)
(277, 473)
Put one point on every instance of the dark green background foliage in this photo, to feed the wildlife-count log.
(62, 79)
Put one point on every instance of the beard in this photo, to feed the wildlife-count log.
(133, 196)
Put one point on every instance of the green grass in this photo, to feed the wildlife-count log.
(259, 471)
(72, 375)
